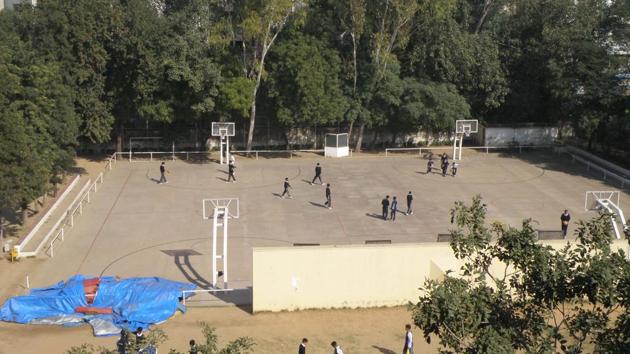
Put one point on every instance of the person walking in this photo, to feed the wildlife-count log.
(162, 172)
(318, 174)
(193, 347)
(337, 348)
(454, 168)
(394, 209)
(302, 347)
(385, 204)
(408, 348)
(287, 186)
(140, 339)
(409, 201)
(444, 167)
(430, 164)
(564, 220)
(328, 197)
(231, 168)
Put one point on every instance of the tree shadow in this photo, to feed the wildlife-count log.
(383, 350)
(559, 162)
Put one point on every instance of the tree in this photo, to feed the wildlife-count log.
(255, 26)
(515, 294)
(303, 84)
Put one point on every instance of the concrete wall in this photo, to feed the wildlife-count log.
(499, 136)
(293, 278)
(9, 3)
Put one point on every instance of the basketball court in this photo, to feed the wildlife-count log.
(137, 227)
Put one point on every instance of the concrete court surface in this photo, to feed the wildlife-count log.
(136, 227)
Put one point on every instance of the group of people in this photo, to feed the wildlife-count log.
(390, 209)
(444, 165)
(318, 176)
(407, 348)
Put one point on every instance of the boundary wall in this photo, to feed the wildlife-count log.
(352, 276)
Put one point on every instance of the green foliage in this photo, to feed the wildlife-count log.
(515, 294)
(304, 83)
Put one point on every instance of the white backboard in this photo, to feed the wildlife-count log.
(210, 204)
(222, 129)
(466, 126)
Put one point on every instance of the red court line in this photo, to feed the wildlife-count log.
(109, 212)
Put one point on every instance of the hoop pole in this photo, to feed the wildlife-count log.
(221, 150)
(227, 148)
(461, 143)
(215, 225)
(226, 217)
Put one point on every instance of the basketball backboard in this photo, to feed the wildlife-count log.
(466, 126)
(209, 206)
(592, 198)
(222, 129)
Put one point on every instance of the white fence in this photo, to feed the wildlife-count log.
(57, 232)
(606, 174)
(172, 155)
(46, 216)
(487, 149)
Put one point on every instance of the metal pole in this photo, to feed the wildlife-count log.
(226, 216)
(221, 150)
(28, 283)
(455, 147)
(214, 246)
(227, 148)
(461, 143)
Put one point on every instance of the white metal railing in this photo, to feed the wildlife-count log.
(598, 160)
(68, 218)
(45, 218)
(606, 173)
(184, 292)
(173, 154)
(482, 148)
(290, 152)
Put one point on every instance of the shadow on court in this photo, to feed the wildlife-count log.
(383, 350)
(318, 205)
(375, 216)
(222, 179)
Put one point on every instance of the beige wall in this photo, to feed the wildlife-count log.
(294, 278)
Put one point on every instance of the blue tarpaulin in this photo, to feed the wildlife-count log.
(134, 302)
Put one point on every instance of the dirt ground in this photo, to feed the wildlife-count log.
(357, 331)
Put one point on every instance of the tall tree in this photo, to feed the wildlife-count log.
(255, 26)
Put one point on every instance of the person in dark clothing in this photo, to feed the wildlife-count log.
(430, 166)
(193, 347)
(394, 209)
(385, 204)
(328, 197)
(140, 340)
(444, 167)
(444, 158)
(287, 186)
(162, 172)
(564, 219)
(318, 174)
(454, 168)
(231, 168)
(123, 342)
(302, 347)
(409, 201)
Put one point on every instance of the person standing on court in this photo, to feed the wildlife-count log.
(409, 201)
(287, 186)
(231, 168)
(454, 168)
(430, 165)
(444, 167)
(162, 172)
(564, 219)
(408, 348)
(302, 348)
(385, 204)
(318, 174)
(394, 209)
(337, 348)
(328, 197)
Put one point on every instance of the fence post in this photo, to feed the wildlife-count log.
(28, 283)
(62, 232)
(385, 152)
(81, 207)
(52, 249)
(88, 196)
(256, 155)
(187, 155)
(290, 154)
(72, 219)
